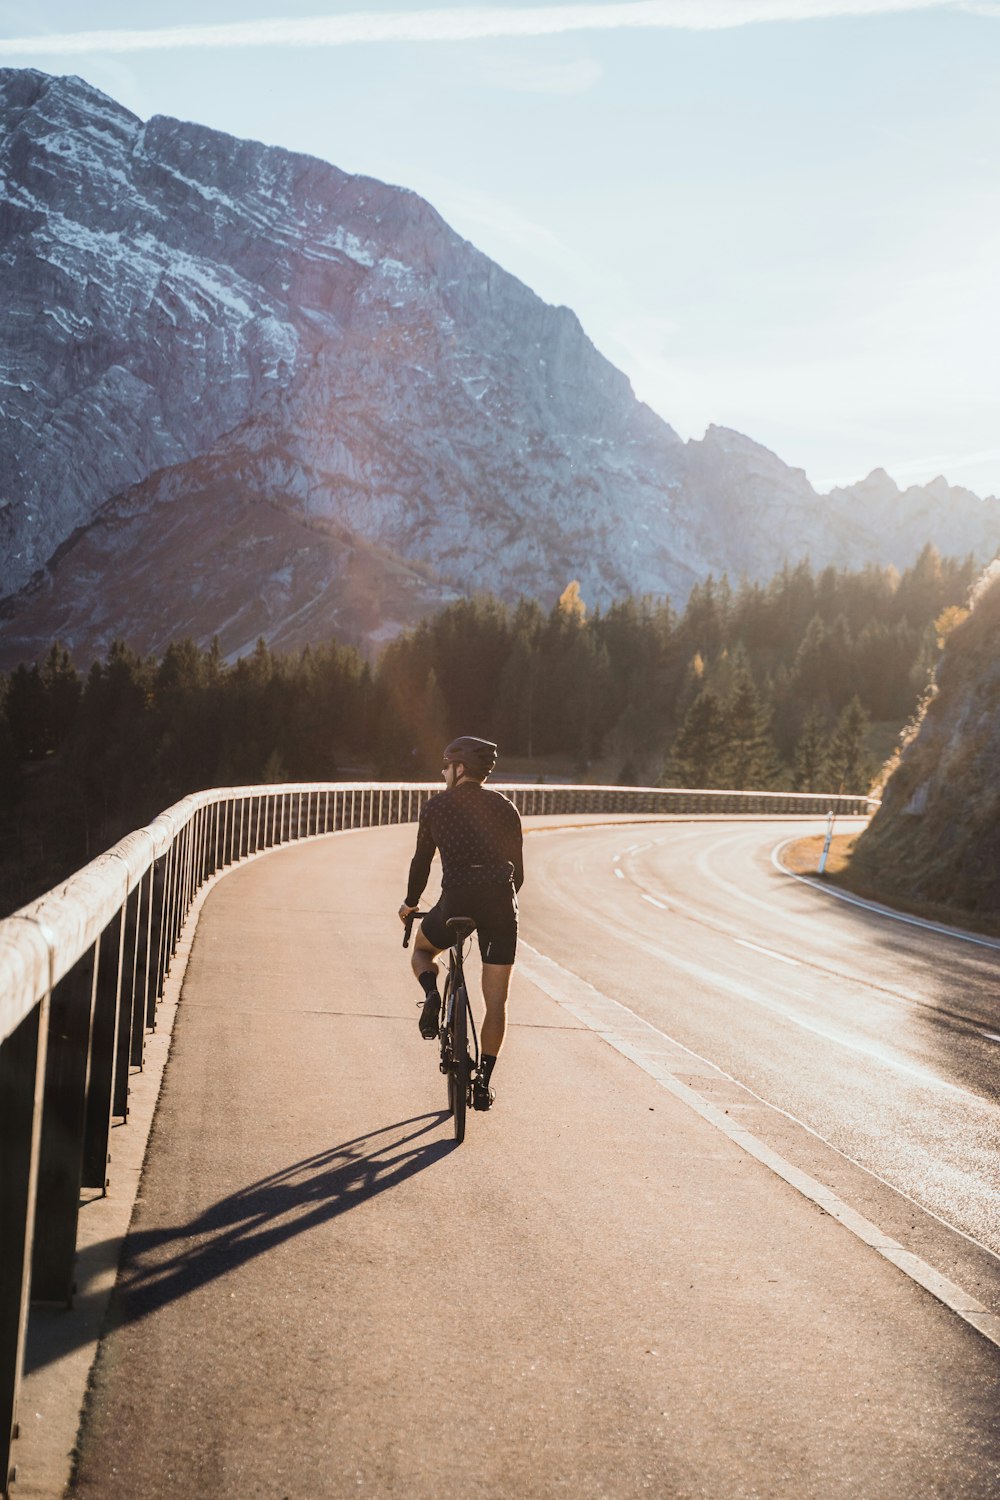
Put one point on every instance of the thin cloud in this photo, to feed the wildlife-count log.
(526, 76)
(941, 463)
(476, 24)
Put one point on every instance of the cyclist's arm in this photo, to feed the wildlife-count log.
(420, 865)
(515, 852)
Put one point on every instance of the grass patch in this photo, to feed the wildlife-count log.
(802, 858)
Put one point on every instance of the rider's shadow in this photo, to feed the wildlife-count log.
(160, 1265)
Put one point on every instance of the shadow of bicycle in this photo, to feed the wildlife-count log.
(161, 1265)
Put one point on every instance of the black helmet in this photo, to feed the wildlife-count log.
(478, 756)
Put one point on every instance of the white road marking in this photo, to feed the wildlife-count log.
(876, 907)
(700, 974)
(647, 1047)
(619, 873)
(991, 1034)
(653, 902)
(615, 858)
(770, 953)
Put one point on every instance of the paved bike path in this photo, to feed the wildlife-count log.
(597, 1295)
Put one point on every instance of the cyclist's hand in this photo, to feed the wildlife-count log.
(404, 911)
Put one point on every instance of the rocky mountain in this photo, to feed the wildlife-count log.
(936, 836)
(243, 393)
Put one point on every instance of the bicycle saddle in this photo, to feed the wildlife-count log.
(462, 927)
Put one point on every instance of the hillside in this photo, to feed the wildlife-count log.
(936, 837)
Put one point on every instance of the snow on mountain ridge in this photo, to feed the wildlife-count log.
(198, 321)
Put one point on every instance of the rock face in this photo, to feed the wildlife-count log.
(243, 393)
(936, 836)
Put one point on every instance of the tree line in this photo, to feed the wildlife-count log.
(757, 685)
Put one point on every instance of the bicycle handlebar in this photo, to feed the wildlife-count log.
(408, 926)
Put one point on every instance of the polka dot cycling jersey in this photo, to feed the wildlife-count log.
(478, 834)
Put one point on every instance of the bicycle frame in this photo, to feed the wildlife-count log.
(458, 1025)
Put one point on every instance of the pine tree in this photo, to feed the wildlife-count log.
(810, 752)
(695, 756)
(26, 712)
(63, 691)
(748, 757)
(848, 767)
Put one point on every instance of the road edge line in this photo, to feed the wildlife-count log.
(981, 940)
(595, 1009)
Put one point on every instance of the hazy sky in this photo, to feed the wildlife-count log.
(779, 215)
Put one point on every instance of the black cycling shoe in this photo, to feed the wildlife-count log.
(429, 1018)
(482, 1095)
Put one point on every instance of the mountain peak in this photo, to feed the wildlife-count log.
(247, 393)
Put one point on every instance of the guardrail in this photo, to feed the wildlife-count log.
(82, 970)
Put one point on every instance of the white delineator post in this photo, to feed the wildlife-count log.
(826, 844)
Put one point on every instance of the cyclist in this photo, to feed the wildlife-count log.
(478, 834)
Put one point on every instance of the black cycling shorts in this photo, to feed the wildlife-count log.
(493, 908)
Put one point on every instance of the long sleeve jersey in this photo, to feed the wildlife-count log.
(478, 833)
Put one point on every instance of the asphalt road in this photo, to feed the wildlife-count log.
(601, 1294)
(880, 1035)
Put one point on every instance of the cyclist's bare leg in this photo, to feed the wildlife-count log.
(496, 984)
(423, 955)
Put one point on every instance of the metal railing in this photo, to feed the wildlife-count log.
(83, 968)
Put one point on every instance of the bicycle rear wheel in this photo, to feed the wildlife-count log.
(458, 1076)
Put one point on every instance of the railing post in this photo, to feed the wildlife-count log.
(60, 1163)
(204, 825)
(153, 904)
(173, 880)
(207, 867)
(22, 1076)
(176, 877)
(189, 868)
(163, 932)
(103, 1052)
(124, 1041)
(227, 817)
(193, 856)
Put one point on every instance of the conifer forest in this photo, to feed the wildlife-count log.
(801, 684)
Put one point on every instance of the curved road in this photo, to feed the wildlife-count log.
(610, 1290)
(882, 1036)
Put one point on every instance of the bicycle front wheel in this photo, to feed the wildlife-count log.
(458, 1077)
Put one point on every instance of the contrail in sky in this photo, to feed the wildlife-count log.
(478, 23)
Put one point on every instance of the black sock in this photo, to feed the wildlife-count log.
(428, 982)
(486, 1065)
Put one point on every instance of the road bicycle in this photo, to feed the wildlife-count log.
(458, 1028)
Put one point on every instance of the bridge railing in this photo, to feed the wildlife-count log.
(83, 968)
